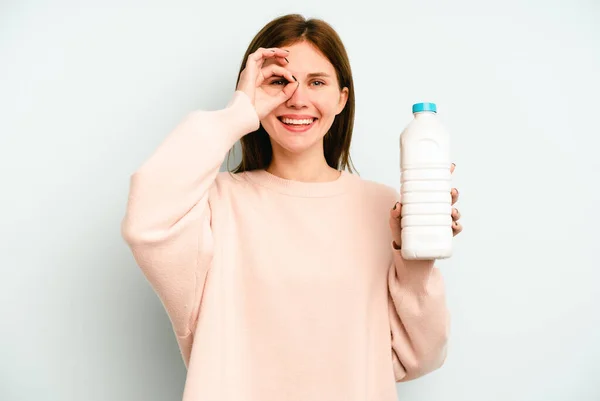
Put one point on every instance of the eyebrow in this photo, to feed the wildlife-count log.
(318, 74)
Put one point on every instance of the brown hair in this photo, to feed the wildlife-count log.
(284, 31)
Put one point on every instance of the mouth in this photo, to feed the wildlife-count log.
(297, 124)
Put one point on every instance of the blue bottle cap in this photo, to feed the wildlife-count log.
(418, 107)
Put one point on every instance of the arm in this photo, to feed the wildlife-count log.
(419, 317)
(167, 223)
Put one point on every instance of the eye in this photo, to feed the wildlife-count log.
(280, 81)
(318, 83)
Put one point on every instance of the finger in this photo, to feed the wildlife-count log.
(452, 167)
(252, 66)
(255, 59)
(291, 86)
(288, 90)
(455, 214)
(456, 228)
(395, 225)
(280, 72)
(283, 61)
(277, 70)
(279, 52)
(261, 54)
(454, 193)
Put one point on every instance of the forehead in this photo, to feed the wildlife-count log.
(304, 59)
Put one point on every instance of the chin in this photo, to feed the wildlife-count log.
(297, 145)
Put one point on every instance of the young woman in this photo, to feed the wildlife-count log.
(283, 279)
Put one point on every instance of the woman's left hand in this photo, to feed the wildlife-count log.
(396, 214)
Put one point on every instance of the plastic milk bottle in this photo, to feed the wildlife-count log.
(426, 220)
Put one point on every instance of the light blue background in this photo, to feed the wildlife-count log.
(89, 89)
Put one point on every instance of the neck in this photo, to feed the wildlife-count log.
(305, 167)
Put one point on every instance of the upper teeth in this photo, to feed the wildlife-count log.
(292, 121)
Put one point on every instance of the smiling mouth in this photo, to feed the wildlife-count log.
(292, 122)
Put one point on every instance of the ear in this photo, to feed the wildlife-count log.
(342, 101)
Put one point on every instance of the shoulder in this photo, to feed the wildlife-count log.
(227, 184)
(228, 180)
(377, 191)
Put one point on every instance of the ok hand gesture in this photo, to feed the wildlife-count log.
(255, 74)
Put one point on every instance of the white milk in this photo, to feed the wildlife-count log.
(425, 186)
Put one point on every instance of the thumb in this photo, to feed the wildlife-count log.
(287, 91)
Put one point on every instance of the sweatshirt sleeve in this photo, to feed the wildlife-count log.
(419, 317)
(167, 223)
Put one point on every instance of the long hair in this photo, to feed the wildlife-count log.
(287, 30)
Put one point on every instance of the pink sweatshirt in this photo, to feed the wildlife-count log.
(279, 290)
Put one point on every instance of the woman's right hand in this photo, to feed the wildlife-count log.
(254, 75)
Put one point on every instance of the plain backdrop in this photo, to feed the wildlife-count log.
(88, 89)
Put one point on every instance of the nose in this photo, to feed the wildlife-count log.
(299, 99)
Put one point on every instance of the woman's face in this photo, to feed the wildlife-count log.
(300, 123)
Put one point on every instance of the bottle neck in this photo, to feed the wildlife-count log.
(422, 114)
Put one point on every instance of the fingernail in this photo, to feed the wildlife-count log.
(395, 206)
(286, 59)
(294, 78)
(454, 164)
